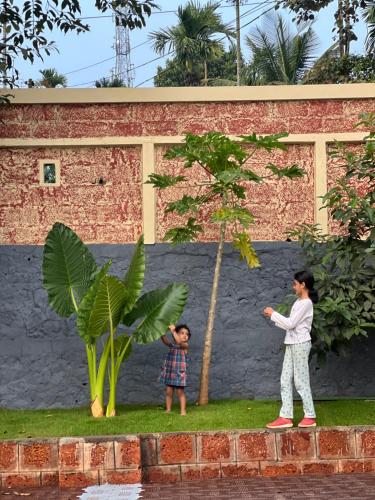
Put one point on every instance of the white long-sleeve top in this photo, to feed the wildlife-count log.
(298, 325)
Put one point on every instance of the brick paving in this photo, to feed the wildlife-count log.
(338, 487)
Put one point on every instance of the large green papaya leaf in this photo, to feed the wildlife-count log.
(86, 306)
(133, 280)
(68, 268)
(157, 310)
(108, 306)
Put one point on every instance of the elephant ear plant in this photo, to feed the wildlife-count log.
(101, 303)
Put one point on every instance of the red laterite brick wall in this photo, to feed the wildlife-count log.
(113, 213)
(172, 457)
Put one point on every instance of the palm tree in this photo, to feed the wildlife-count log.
(51, 78)
(107, 82)
(278, 56)
(369, 17)
(193, 37)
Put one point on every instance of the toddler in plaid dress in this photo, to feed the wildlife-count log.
(173, 373)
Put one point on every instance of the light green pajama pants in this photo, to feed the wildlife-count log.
(296, 368)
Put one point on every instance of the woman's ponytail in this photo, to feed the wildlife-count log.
(314, 296)
(308, 278)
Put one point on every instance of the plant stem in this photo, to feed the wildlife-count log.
(97, 406)
(120, 357)
(91, 363)
(111, 411)
(73, 299)
(203, 390)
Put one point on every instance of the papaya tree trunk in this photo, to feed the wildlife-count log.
(204, 380)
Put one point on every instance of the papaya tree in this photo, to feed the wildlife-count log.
(222, 195)
(104, 303)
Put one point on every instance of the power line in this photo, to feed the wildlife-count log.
(136, 67)
(166, 11)
(90, 66)
(104, 60)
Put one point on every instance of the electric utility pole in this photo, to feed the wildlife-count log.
(238, 42)
(237, 3)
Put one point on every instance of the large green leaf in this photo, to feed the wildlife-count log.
(157, 310)
(86, 307)
(123, 346)
(243, 243)
(108, 306)
(133, 280)
(68, 268)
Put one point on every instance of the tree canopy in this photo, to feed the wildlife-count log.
(194, 38)
(221, 71)
(345, 17)
(51, 78)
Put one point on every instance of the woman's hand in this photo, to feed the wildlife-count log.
(268, 312)
(172, 328)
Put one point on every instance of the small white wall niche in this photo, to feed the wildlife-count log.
(49, 173)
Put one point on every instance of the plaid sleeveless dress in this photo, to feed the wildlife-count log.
(174, 368)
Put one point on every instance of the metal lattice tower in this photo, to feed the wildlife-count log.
(124, 69)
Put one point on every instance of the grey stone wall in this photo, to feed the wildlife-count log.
(43, 361)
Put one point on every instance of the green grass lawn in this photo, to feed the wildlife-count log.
(130, 419)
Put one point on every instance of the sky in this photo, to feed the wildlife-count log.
(90, 56)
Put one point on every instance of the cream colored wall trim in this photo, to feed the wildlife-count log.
(194, 94)
(148, 144)
(148, 194)
(320, 184)
(137, 141)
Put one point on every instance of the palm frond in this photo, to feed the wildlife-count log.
(303, 53)
(369, 17)
(195, 36)
(278, 56)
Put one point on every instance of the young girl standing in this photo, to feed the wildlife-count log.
(173, 373)
(297, 349)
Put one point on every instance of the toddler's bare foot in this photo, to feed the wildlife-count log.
(183, 414)
(167, 411)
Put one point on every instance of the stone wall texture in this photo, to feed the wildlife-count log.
(112, 213)
(163, 119)
(43, 361)
(188, 456)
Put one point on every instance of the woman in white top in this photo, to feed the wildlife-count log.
(297, 349)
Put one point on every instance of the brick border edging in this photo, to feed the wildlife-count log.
(172, 457)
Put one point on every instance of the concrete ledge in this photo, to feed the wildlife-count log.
(186, 456)
(194, 94)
